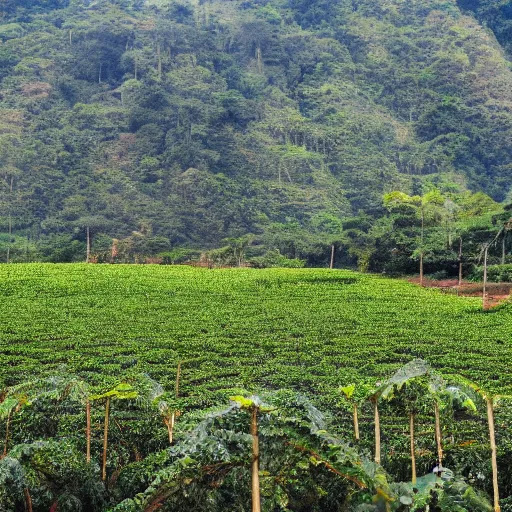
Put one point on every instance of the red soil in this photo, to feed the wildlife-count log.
(497, 293)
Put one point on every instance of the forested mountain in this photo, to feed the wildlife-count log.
(181, 123)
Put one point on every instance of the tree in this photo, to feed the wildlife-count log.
(426, 207)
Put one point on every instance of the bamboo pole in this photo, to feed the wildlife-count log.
(255, 466)
(105, 441)
(413, 454)
(492, 438)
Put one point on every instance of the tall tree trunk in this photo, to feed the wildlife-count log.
(422, 240)
(159, 57)
(439, 440)
(333, 249)
(356, 423)
(377, 431)
(503, 247)
(28, 500)
(413, 451)
(105, 441)
(484, 288)
(421, 268)
(9, 241)
(169, 422)
(490, 419)
(259, 60)
(255, 466)
(88, 430)
(88, 248)
(460, 261)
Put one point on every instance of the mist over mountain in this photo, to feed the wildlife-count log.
(182, 123)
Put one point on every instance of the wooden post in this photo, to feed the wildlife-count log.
(88, 430)
(333, 249)
(105, 441)
(490, 419)
(377, 431)
(413, 454)
(255, 466)
(438, 435)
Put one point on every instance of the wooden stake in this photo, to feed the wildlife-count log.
(255, 466)
(490, 419)
(105, 441)
(413, 454)
(333, 248)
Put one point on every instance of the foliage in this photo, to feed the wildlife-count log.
(495, 273)
(162, 126)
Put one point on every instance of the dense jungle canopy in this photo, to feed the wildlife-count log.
(173, 124)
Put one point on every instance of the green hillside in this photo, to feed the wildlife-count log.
(190, 122)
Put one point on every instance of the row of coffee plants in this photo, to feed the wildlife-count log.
(291, 328)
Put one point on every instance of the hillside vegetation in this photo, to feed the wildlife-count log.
(183, 123)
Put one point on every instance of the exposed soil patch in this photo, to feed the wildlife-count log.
(496, 292)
